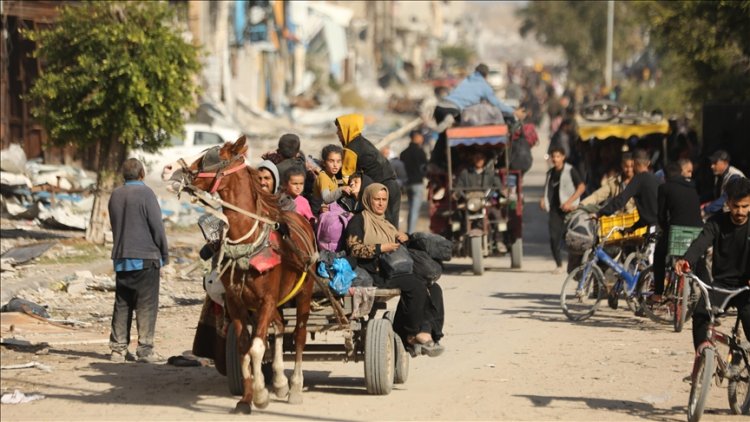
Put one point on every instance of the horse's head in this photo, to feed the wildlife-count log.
(206, 170)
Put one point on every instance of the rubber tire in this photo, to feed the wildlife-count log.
(516, 254)
(741, 406)
(477, 264)
(641, 265)
(401, 373)
(645, 284)
(682, 304)
(234, 364)
(379, 357)
(597, 278)
(702, 384)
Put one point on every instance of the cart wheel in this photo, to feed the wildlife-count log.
(476, 255)
(234, 364)
(402, 362)
(516, 253)
(379, 359)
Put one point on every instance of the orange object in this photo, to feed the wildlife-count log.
(477, 131)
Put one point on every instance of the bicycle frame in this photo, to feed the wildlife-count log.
(715, 336)
(620, 270)
(601, 255)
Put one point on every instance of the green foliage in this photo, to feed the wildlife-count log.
(710, 43)
(670, 92)
(580, 28)
(703, 46)
(456, 55)
(114, 72)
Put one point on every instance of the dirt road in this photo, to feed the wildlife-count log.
(511, 355)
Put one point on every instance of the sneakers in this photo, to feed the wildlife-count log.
(121, 356)
(152, 357)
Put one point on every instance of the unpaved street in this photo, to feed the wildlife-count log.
(511, 355)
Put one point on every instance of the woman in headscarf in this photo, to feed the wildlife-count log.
(419, 316)
(361, 155)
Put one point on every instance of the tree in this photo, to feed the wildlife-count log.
(117, 75)
(709, 43)
(456, 55)
(579, 27)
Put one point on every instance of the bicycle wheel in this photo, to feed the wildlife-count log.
(738, 389)
(702, 377)
(644, 288)
(601, 111)
(681, 300)
(582, 291)
(633, 264)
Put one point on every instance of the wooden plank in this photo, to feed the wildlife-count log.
(40, 11)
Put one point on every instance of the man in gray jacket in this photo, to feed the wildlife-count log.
(138, 252)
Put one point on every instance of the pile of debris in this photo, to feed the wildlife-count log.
(54, 196)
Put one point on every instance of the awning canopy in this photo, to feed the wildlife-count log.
(603, 130)
(478, 135)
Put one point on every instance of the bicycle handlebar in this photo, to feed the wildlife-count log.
(731, 293)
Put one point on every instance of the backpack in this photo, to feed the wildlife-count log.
(331, 225)
(580, 233)
(520, 156)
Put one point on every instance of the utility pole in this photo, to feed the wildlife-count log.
(610, 34)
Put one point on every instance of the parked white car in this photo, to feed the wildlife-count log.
(196, 138)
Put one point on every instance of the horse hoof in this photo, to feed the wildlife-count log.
(242, 408)
(281, 391)
(261, 398)
(295, 397)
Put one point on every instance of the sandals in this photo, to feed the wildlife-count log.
(422, 344)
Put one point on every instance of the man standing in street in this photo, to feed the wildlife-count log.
(562, 190)
(415, 160)
(723, 173)
(139, 250)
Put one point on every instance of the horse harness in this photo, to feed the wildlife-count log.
(232, 252)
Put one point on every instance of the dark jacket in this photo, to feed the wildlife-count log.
(287, 163)
(367, 255)
(731, 250)
(415, 161)
(679, 204)
(137, 229)
(369, 160)
(644, 188)
(469, 178)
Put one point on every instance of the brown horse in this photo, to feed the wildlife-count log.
(253, 296)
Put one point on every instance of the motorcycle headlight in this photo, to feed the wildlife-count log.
(475, 204)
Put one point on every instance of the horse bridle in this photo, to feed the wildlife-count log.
(216, 170)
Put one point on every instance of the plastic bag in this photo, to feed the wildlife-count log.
(343, 276)
(363, 279)
(436, 246)
(396, 263)
(425, 267)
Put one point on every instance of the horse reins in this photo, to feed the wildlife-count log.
(216, 175)
(215, 203)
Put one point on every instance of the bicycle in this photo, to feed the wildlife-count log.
(584, 288)
(679, 298)
(709, 364)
